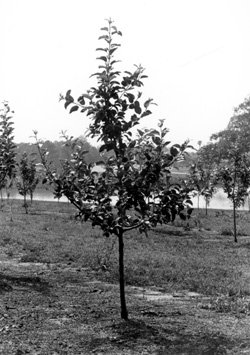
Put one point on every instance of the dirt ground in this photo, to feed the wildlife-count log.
(58, 309)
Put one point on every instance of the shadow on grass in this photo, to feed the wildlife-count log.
(171, 231)
(178, 232)
(171, 338)
(242, 245)
(7, 282)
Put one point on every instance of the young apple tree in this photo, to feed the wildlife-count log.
(7, 147)
(233, 170)
(202, 174)
(132, 191)
(27, 180)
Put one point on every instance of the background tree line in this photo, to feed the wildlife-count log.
(58, 151)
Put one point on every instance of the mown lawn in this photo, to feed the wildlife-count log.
(173, 257)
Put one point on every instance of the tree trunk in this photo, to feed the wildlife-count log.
(124, 312)
(235, 230)
(25, 203)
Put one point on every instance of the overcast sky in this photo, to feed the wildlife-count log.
(196, 54)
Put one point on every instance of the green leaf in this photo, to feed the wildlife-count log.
(190, 210)
(156, 140)
(183, 216)
(68, 97)
(174, 151)
(191, 147)
(130, 97)
(74, 108)
(141, 133)
(132, 144)
(147, 103)
(98, 74)
(104, 29)
(102, 49)
(147, 156)
(68, 93)
(115, 45)
(81, 100)
(112, 51)
(115, 61)
(66, 104)
(102, 148)
(104, 37)
(102, 58)
(137, 107)
(146, 113)
(134, 119)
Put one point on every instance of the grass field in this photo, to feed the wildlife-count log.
(201, 258)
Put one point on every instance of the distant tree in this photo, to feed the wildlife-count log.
(237, 130)
(235, 178)
(7, 148)
(206, 168)
(58, 151)
(233, 169)
(27, 180)
(27, 148)
(201, 183)
(240, 124)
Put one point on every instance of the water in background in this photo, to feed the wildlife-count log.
(219, 201)
(39, 195)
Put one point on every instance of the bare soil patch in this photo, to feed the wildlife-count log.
(60, 309)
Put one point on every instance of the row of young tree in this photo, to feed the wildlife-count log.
(19, 163)
(137, 162)
(225, 162)
(21, 174)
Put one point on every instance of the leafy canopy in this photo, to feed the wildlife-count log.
(135, 176)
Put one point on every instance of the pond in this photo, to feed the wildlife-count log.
(219, 201)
